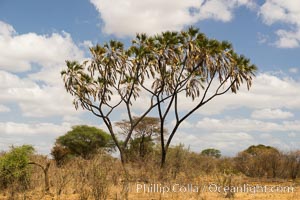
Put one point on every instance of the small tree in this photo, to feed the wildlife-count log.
(140, 148)
(211, 153)
(292, 164)
(165, 69)
(60, 154)
(259, 160)
(144, 135)
(82, 141)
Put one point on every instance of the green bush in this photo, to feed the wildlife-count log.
(82, 141)
(14, 168)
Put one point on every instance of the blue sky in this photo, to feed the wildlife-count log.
(36, 37)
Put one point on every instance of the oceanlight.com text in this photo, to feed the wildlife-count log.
(212, 187)
(247, 188)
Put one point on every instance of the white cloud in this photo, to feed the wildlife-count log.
(228, 142)
(222, 9)
(266, 136)
(232, 135)
(271, 140)
(287, 12)
(233, 125)
(127, 17)
(262, 38)
(24, 129)
(33, 99)
(288, 39)
(41, 135)
(292, 135)
(19, 52)
(294, 70)
(271, 114)
(267, 91)
(4, 108)
(6, 30)
(86, 44)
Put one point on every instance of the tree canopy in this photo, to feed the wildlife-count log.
(163, 69)
(83, 141)
(148, 126)
(259, 160)
(255, 150)
(211, 152)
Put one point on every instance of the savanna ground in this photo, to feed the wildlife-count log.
(190, 174)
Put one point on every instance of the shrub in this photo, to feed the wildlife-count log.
(14, 167)
(81, 141)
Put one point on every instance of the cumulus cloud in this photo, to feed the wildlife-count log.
(292, 135)
(233, 125)
(30, 66)
(228, 142)
(33, 99)
(22, 129)
(294, 70)
(288, 39)
(270, 91)
(231, 135)
(19, 51)
(234, 135)
(267, 91)
(271, 114)
(287, 12)
(41, 135)
(4, 108)
(6, 30)
(127, 17)
(222, 10)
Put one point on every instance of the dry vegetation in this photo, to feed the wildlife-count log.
(102, 177)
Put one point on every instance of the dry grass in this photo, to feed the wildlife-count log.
(202, 194)
(103, 178)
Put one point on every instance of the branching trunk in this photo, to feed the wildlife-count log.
(46, 174)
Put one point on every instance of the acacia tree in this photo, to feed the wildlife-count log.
(165, 69)
(81, 141)
(148, 126)
(145, 132)
(211, 153)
